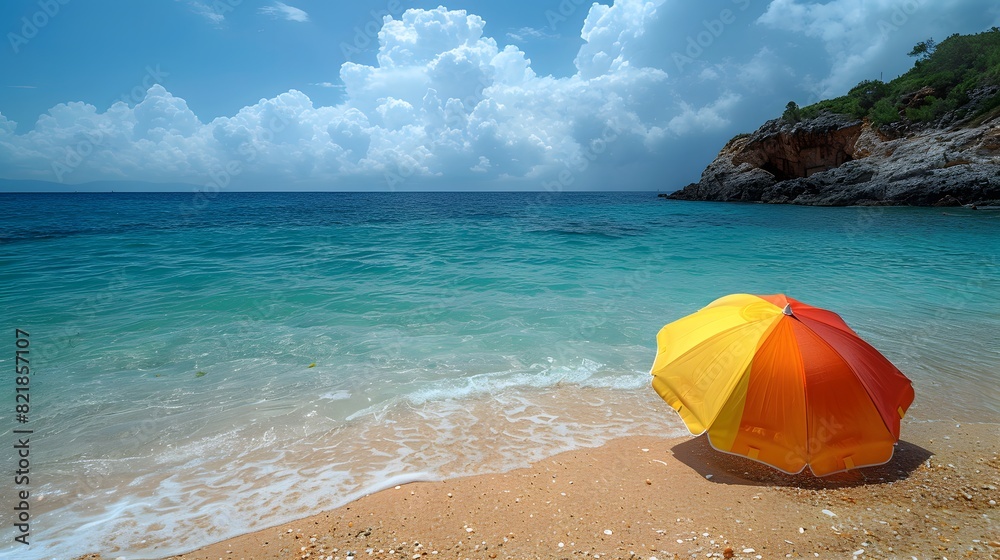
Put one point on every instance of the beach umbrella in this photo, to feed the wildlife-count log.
(783, 383)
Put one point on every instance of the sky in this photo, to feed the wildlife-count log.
(410, 95)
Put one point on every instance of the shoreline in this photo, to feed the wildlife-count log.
(649, 497)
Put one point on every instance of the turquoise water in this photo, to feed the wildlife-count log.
(451, 334)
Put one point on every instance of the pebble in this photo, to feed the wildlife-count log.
(748, 551)
(830, 513)
(608, 532)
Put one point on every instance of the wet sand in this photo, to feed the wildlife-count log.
(645, 497)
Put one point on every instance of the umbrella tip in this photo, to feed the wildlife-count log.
(788, 310)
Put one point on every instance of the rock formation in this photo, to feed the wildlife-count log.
(834, 160)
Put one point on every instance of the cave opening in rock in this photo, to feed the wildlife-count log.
(804, 163)
(773, 169)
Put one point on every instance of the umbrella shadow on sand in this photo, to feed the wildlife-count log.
(725, 468)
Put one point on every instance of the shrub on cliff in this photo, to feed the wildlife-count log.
(884, 112)
(792, 113)
(930, 110)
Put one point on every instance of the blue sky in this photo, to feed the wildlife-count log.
(407, 95)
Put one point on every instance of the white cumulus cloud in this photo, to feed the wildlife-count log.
(611, 33)
(441, 103)
(708, 117)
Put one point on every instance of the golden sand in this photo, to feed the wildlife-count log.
(645, 497)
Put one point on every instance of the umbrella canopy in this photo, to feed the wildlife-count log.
(781, 382)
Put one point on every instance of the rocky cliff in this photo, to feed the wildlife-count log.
(834, 160)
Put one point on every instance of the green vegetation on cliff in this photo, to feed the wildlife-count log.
(940, 81)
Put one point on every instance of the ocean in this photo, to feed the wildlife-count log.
(204, 366)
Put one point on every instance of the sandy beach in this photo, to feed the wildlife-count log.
(645, 497)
